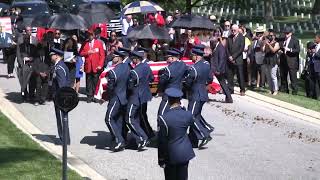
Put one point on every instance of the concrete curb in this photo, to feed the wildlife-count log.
(28, 128)
(281, 106)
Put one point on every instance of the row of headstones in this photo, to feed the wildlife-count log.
(227, 8)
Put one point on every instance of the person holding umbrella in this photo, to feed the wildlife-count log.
(93, 52)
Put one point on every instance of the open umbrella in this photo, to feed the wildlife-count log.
(142, 7)
(95, 13)
(193, 22)
(41, 21)
(149, 32)
(67, 21)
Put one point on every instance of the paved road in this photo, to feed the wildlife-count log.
(250, 141)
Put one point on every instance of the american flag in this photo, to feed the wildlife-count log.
(100, 92)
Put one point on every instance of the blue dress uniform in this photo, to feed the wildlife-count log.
(139, 94)
(117, 95)
(174, 148)
(127, 58)
(199, 75)
(170, 77)
(145, 52)
(60, 79)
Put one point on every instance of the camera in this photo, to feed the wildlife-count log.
(269, 38)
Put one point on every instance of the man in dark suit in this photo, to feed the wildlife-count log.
(197, 79)
(60, 79)
(291, 50)
(139, 93)
(219, 67)
(117, 95)
(315, 76)
(170, 76)
(235, 48)
(174, 147)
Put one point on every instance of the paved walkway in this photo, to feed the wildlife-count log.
(251, 141)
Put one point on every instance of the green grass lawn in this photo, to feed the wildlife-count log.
(23, 159)
(300, 99)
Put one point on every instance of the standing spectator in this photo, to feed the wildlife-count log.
(159, 19)
(58, 42)
(126, 23)
(70, 46)
(92, 51)
(258, 57)
(114, 41)
(246, 59)
(79, 65)
(219, 67)
(235, 47)
(227, 29)
(316, 69)
(308, 71)
(291, 50)
(174, 147)
(135, 24)
(8, 47)
(271, 48)
(103, 28)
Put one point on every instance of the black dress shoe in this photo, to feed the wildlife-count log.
(89, 100)
(205, 141)
(119, 147)
(142, 145)
(228, 100)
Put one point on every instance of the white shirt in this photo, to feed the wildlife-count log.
(125, 26)
(287, 43)
(317, 47)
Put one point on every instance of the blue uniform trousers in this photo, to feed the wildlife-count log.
(176, 171)
(115, 119)
(133, 120)
(201, 128)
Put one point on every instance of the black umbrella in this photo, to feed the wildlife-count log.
(41, 21)
(24, 73)
(193, 22)
(3, 7)
(149, 32)
(95, 13)
(67, 21)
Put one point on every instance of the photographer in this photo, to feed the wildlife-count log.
(258, 55)
(271, 47)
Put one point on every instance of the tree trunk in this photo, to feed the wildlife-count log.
(268, 10)
(188, 6)
(316, 7)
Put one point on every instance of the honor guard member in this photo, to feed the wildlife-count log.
(117, 96)
(170, 76)
(60, 79)
(145, 54)
(140, 93)
(178, 51)
(174, 148)
(199, 75)
(127, 58)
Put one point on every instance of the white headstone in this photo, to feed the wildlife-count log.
(302, 15)
(296, 14)
(250, 24)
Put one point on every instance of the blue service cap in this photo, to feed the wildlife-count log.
(171, 53)
(123, 49)
(200, 46)
(173, 92)
(117, 53)
(197, 52)
(143, 49)
(55, 51)
(136, 54)
(177, 50)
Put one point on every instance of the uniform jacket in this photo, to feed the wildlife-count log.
(316, 62)
(198, 77)
(219, 59)
(139, 80)
(174, 145)
(292, 57)
(60, 76)
(92, 61)
(118, 82)
(6, 40)
(235, 48)
(172, 75)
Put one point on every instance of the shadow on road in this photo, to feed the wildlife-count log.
(103, 140)
(48, 138)
(4, 76)
(14, 97)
